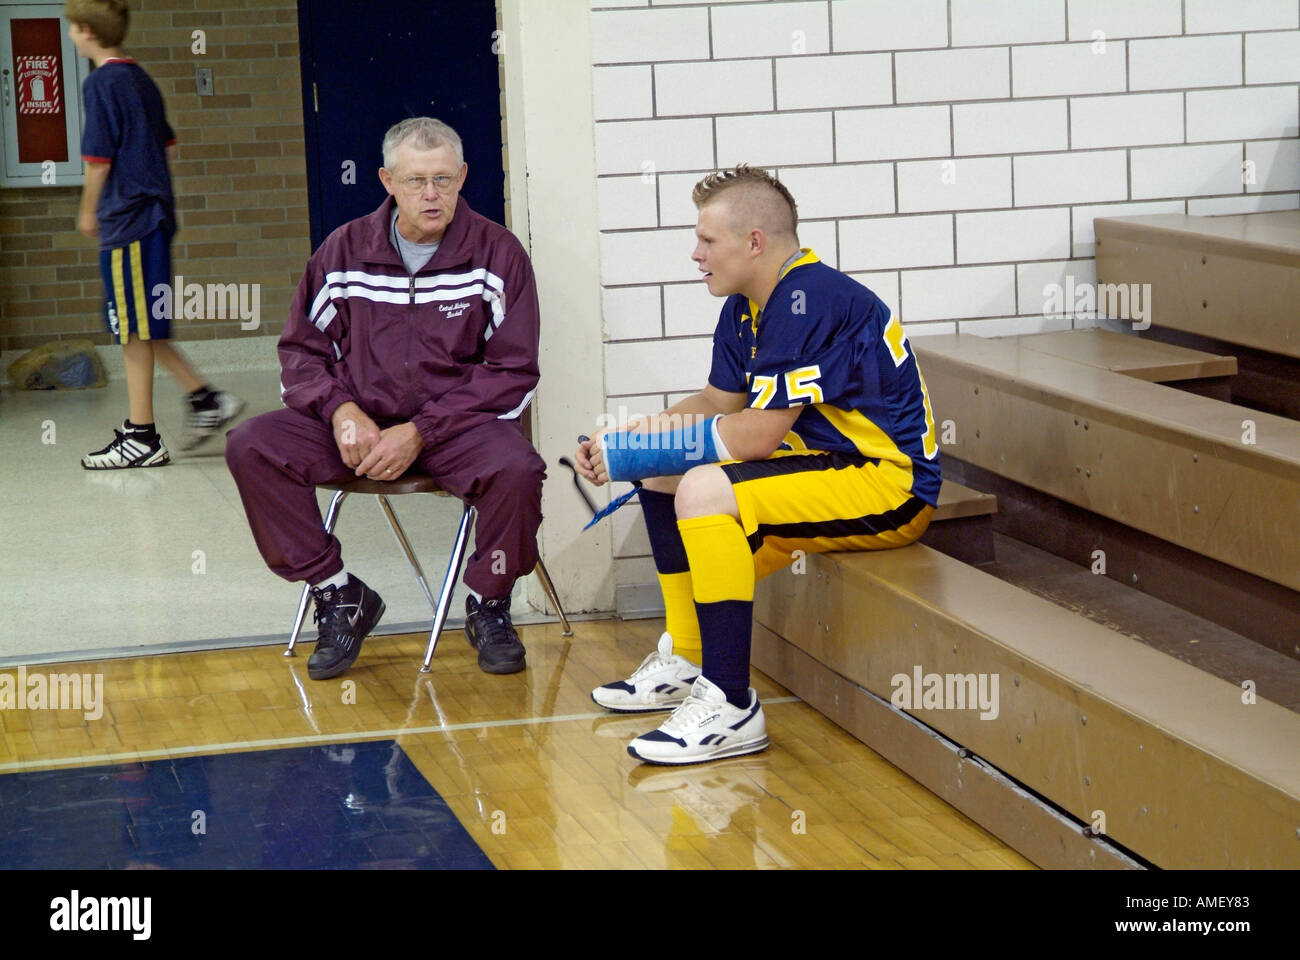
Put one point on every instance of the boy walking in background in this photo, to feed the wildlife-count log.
(127, 203)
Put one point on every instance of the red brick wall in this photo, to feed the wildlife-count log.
(240, 179)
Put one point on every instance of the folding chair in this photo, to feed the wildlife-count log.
(415, 483)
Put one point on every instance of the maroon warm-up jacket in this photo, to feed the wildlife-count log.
(450, 348)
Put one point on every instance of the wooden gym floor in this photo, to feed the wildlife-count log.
(533, 770)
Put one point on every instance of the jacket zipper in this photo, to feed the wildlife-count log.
(410, 333)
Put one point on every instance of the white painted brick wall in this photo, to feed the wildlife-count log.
(937, 328)
(649, 36)
(892, 133)
(728, 86)
(1081, 177)
(1251, 203)
(1126, 119)
(631, 313)
(633, 570)
(1185, 62)
(1053, 69)
(1013, 235)
(839, 81)
(888, 24)
(986, 22)
(1187, 171)
(1014, 326)
(1017, 127)
(958, 292)
(622, 93)
(1032, 280)
(633, 146)
(821, 235)
(690, 310)
(846, 190)
(1125, 18)
(676, 208)
(1221, 16)
(775, 139)
(626, 203)
(978, 74)
(1273, 57)
(657, 366)
(771, 29)
(925, 185)
(630, 537)
(883, 242)
(1276, 165)
(1251, 113)
(646, 256)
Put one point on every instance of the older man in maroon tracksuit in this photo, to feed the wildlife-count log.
(412, 340)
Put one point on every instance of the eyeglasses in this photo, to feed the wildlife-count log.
(415, 185)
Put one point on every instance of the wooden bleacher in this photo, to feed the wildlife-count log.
(1221, 284)
(1162, 461)
(1082, 436)
(1150, 360)
(962, 524)
(1235, 278)
(1185, 774)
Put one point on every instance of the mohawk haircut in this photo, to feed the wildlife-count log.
(106, 19)
(762, 199)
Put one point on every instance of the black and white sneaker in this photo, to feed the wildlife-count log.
(490, 632)
(130, 448)
(204, 418)
(344, 616)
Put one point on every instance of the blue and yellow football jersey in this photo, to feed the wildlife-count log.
(827, 342)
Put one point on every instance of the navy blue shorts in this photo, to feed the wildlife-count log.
(133, 277)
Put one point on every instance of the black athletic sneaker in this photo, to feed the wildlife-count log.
(492, 634)
(344, 617)
(204, 418)
(129, 448)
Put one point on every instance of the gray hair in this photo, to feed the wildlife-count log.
(424, 133)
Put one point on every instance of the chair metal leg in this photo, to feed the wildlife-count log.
(400, 534)
(549, 587)
(449, 584)
(331, 517)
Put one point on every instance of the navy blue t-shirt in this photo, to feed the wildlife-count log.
(126, 126)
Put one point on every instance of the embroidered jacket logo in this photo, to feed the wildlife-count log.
(453, 309)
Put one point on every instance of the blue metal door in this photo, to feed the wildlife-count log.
(367, 65)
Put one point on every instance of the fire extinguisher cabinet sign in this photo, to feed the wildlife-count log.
(40, 90)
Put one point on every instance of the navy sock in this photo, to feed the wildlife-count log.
(726, 627)
(666, 545)
(145, 431)
(203, 397)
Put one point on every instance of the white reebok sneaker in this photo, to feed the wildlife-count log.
(662, 682)
(705, 727)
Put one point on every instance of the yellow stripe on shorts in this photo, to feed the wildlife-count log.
(141, 301)
(119, 295)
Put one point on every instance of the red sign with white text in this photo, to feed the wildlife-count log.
(39, 90)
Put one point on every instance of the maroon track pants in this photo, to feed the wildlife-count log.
(279, 457)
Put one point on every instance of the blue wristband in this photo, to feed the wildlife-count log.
(669, 453)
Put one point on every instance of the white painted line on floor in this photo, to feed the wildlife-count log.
(345, 737)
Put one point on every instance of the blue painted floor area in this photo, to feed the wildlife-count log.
(341, 806)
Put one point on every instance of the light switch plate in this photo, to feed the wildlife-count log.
(203, 81)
